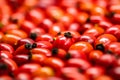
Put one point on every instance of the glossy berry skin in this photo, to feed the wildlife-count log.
(97, 10)
(5, 54)
(26, 76)
(82, 46)
(24, 41)
(60, 39)
(37, 58)
(21, 59)
(18, 32)
(115, 30)
(54, 12)
(107, 60)
(23, 49)
(95, 31)
(88, 38)
(66, 70)
(18, 16)
(43, 51)
(56, 63)
(85, 27)
(63, 41)
(105, 24)
(10, 39)
(56, 28)
(74, 27)
(115, 7)
(113, 47)
(35, 15)
(79, 63)
(94, 72)
(66, 20)
(12, 66)
(86, 6)
(9, 27)
(76, 54)
(44, 44)
(97, 18)
(72, 73)
(95, 55)
(60, 53)
(27, 26)
(71, 10)
(44, 72)
(116, 18)
(37, 30)
(44, 37)
(103, 40)
(115, 72)
(6, 47)
(74, 34)
(46, 24)
(82, 17)
(27, 68)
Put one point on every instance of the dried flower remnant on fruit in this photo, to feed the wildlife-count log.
(68, 35)
(67, 56)
(3, 66)
(34, 45)
(15, 21)
(54, 51)
(59, 33)
(100, 47)
(28, 46)
(33, 36)
(110, 14)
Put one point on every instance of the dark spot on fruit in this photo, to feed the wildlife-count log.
(3, 66)
(33, 36)
(15, 21)
(54, 51)
(110, 15)
(68, 35)
(34, 45)
(28, 46)
(100, 47)
(68, 56)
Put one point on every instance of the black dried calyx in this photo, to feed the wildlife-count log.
(110, 14)
(59, 33)
(3, 66)
(67, 56)
(34, 45)
(30, 46)
(100, 47)
(15, 21)
(54, 51)
(33, 36)
(68, 34)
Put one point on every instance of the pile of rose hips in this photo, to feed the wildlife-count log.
(59, 39)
